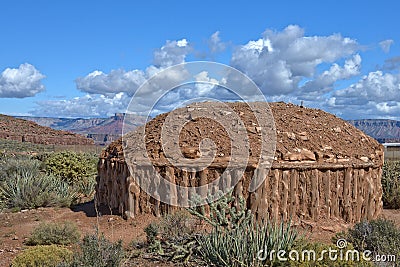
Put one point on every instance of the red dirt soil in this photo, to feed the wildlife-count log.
(297, 128)
(16, 227)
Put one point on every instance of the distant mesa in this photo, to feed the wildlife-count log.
(385, 131)
(102, 130)
(27, 131)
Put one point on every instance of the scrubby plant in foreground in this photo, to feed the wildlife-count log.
(65, 233)
(173, 236)
(391, 184)
(71, 166)
(380, 236)
(42, 256)
(79, 170)
(97, 251)
(177, 225)
(27, 187)
(236, 238)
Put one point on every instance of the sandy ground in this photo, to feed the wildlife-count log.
(16, 227)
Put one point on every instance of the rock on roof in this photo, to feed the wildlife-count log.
(302, 134)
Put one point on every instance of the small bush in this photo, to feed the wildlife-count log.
(79, 170)
(176, 226)
(391, 185)
(97, 251)
(153, 238)
(42, 256)
(26, 187)
(380, 236)
(54, 233)
(71, 166)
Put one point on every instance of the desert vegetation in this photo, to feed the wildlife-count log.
(55, 179)
(50, 246)
(229, 236)
(223, 235)
(391, 185)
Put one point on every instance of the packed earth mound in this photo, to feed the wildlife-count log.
(322, 168)
(301, 134)
(26, 131)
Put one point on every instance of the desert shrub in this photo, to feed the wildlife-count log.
(236, 238)
(13, 166)
(79, 170)
(380, 236)
(42, 256)
(26, 187)
(176, 226)
(54, 233)
(153, 241)
(172, 231)
(391, 184)
(97, 251)
(71, 166)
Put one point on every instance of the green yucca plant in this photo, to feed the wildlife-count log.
(26, 187)
(12, 166)
(237, 238)
(241, 246)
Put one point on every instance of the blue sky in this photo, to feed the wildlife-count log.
(86, 58)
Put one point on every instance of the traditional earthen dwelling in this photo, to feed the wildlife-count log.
(323, 168)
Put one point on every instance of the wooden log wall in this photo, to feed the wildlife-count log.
(300, 192)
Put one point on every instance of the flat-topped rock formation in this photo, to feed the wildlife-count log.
(27, 131)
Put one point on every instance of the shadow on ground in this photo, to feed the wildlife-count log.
(90, 209)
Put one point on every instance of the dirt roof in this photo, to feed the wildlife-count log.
(302, 134)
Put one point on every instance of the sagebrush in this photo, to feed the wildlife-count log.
(381, 236)
(391, 185)
(97, 251)
(65, 233)
(42, 256)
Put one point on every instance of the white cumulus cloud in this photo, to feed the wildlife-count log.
(114, 82)
(376, 86)
(287, 65)
(85, 106)
(374, 95)
(172, 53)
(324, 82)
(21, 82)
(280, 60)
